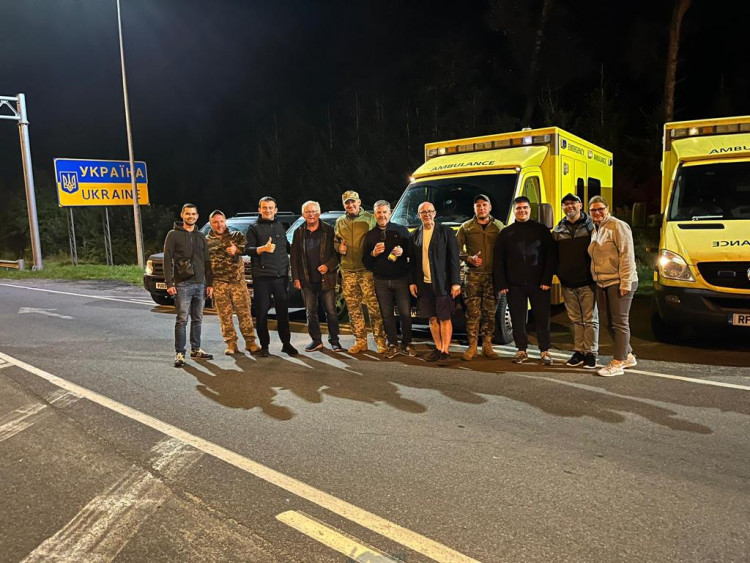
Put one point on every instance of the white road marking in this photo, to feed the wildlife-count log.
(45, 312)
(4, 364)
(371, 356)
(103, 527)
(121, 300)
(412, 540)
(26, 416)
(333, 362)
(353, 548)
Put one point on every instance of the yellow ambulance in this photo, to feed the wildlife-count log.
(541, 164)
(702, 276)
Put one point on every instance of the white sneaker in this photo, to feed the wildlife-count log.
(614, 368)
(630, 362)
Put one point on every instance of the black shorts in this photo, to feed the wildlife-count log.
(431, 305)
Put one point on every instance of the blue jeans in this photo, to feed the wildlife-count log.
(190, 298)
(313, 296)
(390, 294)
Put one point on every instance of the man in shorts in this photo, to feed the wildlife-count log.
(435, 278)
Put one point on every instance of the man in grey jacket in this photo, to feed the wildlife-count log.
(187, 272)
(572, 235)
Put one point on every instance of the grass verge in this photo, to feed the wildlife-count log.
(53, 270)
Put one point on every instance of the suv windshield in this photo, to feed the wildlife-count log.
(711, 191)
(453, 198)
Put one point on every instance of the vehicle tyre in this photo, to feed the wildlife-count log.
(664, 331)
(341, 309)
(503, 325)
(162, 299)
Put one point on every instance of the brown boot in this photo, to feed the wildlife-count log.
(231, 349)
(359, 346)
(252, 346)
(471, 352)
(487, 349)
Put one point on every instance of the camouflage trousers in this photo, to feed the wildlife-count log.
(480, 300)
(230, 298)
(359, 289)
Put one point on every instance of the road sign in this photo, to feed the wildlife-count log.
(83, 183)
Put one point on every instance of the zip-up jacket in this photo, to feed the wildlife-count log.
(383, 269)
(612, 254)
(226, 267)
(472, 238)
(573, 260)
(328, 256)
(524, 255)
(181, 244)
(268, 264)
(353, 230)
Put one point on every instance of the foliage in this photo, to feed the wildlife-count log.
(59, 268)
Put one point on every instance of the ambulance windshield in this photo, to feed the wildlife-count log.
(711, 191)
(453, 198)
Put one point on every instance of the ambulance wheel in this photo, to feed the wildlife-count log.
(503, 324)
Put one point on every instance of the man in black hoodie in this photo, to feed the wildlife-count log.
(268, 248)
(525, 260)
(187, 272)
(573, 235)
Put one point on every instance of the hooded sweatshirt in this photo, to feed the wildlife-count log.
(612, 254)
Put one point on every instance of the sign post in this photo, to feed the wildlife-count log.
(19, 114)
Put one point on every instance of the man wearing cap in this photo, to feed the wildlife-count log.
(476, 247)
(573, 235)
(358, 283)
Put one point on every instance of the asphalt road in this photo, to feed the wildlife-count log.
(107, 452)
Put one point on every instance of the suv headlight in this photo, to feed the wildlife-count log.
(149, 267)
(672, 266)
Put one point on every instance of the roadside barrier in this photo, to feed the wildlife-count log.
(13, 264)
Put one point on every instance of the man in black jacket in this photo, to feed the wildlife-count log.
(525, 261)
(268, 248)
(435, 278)
(573, 235)
(187, 272)
(314, 269)
(385, 255)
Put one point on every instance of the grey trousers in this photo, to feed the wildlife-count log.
(615, 314)
(580, 303)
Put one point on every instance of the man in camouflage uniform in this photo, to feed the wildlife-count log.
(358, 283)
(476, 246)
(230, 292)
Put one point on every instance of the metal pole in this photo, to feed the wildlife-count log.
(72, 238)
(107, 240)
(133, 179)
(28, 176)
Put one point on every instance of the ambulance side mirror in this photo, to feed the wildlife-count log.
(546, 216)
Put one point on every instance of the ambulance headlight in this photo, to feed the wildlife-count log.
(672, 266)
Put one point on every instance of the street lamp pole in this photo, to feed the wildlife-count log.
(133, 180)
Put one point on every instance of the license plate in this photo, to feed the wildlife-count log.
(740, 319)
(161, 285)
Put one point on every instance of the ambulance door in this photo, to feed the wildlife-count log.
(568, 176)
(580, 180)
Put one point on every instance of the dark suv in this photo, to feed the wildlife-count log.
(153, 277)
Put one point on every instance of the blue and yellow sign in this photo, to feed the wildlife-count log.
(99, 182)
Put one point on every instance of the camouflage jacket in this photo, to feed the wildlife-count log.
(226, 267)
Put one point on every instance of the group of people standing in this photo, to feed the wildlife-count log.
(382, 266)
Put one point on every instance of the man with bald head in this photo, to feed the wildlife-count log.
(435, 279)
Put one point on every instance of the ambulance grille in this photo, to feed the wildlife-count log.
(735, 275)
(700, 226)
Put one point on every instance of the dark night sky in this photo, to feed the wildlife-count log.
(216, 69)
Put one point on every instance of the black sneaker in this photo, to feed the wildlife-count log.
(264, 353)
(445, 359)
(289, 349)
(336, 347)
(575, 360)
(314, 346)
(201, 355)
(179, 360)
(589, 361)
(392, 352)
(433, 356)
